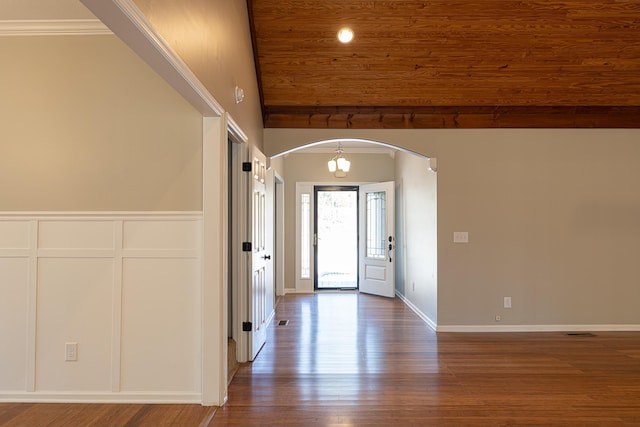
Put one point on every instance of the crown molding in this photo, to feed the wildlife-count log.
(58, 27)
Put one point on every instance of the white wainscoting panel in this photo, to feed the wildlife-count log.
(161, 325)
(75, 234)
(14, 285)
(74, 305)
(125, 286)
(141, 234)
(14, 235)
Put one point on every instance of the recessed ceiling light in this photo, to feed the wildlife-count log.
(345, 35)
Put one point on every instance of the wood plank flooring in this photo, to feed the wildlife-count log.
(103, 415)
(359, 360)
(348, 359)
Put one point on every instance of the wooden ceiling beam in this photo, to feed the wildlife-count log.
(452, 117)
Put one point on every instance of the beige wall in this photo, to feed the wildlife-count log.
(313, 168)
(87, 126)
(214, 40)
(552, 217)
(416, 233)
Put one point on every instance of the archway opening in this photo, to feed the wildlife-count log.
(415, 246)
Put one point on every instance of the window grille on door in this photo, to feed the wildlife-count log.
(375, 225)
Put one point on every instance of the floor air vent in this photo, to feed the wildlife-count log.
(283, 323)
(580, 334)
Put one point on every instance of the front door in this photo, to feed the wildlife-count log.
(336, 237)
(259, 256)
(377, 239)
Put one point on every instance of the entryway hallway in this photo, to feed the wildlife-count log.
(349, 359)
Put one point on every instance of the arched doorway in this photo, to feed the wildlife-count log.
(416, 210)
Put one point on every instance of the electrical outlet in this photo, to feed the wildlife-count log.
(71, 352)
(498, 318)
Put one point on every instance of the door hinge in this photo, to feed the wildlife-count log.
(246, 247)
(246, 166)
(247, 326)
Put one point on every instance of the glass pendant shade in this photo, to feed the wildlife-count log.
(338, 165)
(341, 163)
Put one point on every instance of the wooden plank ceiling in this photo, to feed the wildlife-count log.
(448, 63)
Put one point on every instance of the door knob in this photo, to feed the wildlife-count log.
(266, 257)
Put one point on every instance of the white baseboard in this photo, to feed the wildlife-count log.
(297, 291)
(538, 328)
(417, 311)
(516, 328)
(91, 397)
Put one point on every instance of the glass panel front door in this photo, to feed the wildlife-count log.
(336, 237)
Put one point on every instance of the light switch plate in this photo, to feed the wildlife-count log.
(460, 237)
(71, 352)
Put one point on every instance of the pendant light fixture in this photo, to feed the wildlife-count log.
(338, 165)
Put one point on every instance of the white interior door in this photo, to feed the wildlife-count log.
(377, 239)
(258, 256)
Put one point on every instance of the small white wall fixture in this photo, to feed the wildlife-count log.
(433, 164)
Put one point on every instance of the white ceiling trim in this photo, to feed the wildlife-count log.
(58, 27)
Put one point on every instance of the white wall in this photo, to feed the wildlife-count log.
(416, 231)
(124, 287)
(551, 216)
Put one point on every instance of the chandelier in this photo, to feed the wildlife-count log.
(338, 164)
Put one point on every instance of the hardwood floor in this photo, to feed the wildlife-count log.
(103, 415)
(359, 360)
(348, 359)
